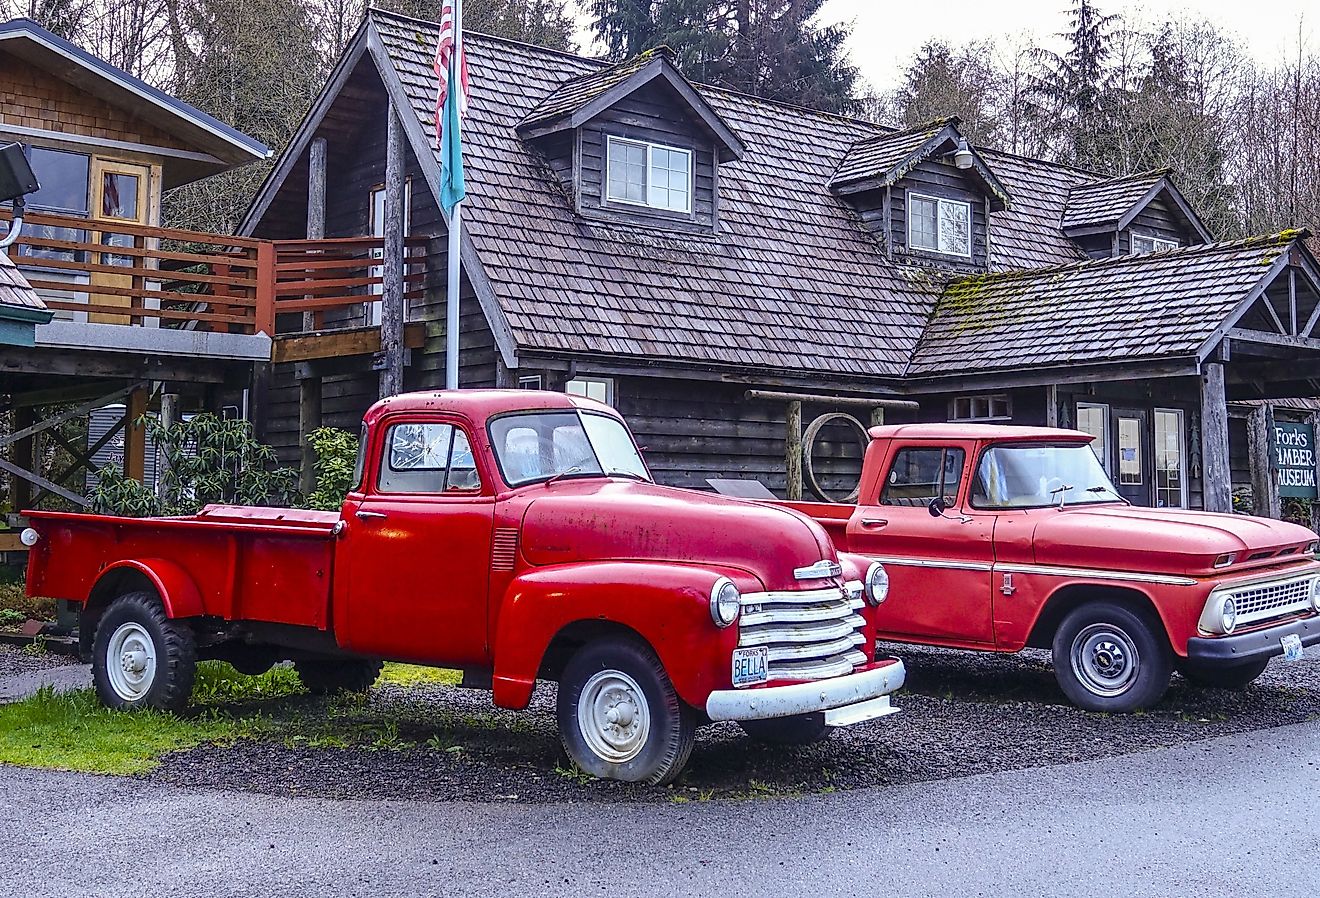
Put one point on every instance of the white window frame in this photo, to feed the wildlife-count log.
(989, 399)
(373, 310)
(650, 147)
(530, 382)
(1103, 438)
(1158, 244)
(586, 381)
(938, 201)
(1182, 454)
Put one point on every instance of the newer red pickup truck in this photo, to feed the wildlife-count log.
(516, 535)
(999, 538)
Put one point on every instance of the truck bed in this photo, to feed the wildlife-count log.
(256, 564)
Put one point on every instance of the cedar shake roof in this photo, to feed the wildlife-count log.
(1113, 203)
(1027, 234)
(14, 289)
(1156, 305)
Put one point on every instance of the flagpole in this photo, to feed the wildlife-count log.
(454, 286)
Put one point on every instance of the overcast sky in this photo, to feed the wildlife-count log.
(886, 34)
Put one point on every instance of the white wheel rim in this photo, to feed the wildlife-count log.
(1106, 660)
(613, 716)
(130, 661)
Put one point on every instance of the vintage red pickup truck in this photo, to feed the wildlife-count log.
(516, 535)
(999, 538)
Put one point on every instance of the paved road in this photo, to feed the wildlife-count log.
(1233, 816)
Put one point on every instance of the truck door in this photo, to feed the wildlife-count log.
(939, 567)
(417, 546)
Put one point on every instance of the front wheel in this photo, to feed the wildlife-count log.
(619, 716)
(141, 658)
(804, 729)
(1221, 676)
(1110, 658)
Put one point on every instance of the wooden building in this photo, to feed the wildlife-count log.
(725, 269)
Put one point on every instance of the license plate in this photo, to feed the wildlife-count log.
(1292, 647)
(751, 666)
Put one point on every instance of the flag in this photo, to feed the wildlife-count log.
(450, 104)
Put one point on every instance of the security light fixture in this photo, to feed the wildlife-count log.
(962, 157)
(16, 177)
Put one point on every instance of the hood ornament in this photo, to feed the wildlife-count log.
(821, 570)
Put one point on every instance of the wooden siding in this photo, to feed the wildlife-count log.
(653, 114)
(33, 98)
(1157, 220)
(935, 179)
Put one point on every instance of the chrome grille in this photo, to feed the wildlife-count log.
(1274, 598)
(809, 634)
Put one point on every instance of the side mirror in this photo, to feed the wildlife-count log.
(937, 507)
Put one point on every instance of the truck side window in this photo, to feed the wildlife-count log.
(919, 475)
(427, 458)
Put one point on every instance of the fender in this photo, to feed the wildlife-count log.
(668, 605)
(177, 591)
(1169, 606)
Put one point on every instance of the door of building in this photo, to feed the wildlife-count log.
(1132, 454)
(120, 197)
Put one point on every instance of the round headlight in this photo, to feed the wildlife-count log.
(1315, 594)
(29, 537)
(877, 583)
(725, 602)
(1227, 615)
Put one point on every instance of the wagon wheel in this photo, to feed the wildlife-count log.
(809, 443)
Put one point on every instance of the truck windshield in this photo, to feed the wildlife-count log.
(536, 446)
(1034, 476)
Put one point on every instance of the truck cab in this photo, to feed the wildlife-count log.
(998, 538)
(516, 535)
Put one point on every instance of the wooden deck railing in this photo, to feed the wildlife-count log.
(135, 275)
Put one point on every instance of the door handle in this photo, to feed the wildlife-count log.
(370, 515)
(875, 523)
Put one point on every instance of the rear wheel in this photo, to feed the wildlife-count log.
(803, 729)
(619, 716)
(1108, 657)
(1220, 676)
(141, 658)
(326, 676)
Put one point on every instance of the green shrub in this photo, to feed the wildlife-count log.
(336, 462)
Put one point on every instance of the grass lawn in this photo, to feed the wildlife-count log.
(72, 731)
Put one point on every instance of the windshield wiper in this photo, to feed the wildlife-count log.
(1105, 489)
(1061, 491)
(567, 472)
(632, 475)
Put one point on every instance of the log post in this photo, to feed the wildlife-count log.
(169, 416)
(315, 206)
(20, 490)
(1052, 406)
(135, 434)
(1216, 472)
(877, 416)
(391, 316)
(793, 451)
(309, 419)
(1315, 503)
(1264, 473)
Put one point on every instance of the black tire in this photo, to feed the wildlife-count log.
(653, 742)
(1221, 676)
(324, 676)
(1111, 658)
(804, 729)
(154, 661)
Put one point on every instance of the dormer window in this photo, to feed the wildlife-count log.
(938, 225)
(649, 174)
(1143, 244)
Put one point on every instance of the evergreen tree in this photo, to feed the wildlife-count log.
(769, 48)
(942, 80)
(546, 23)
(1071, 88)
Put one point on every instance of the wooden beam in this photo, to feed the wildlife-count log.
(1051, 405)
(135, 434)
(24, 475)
(392, 317)
(67, 415)
(1217, 474)
(341, 343)
(1260, 453)
(833, 400)
(793, 451)
(316, 165)
(20, 488)
(1243, 335)
(65, 395)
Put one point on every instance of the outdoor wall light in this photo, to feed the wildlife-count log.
(962, 157)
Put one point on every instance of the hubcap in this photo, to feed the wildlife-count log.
(1105, 660)
(613, 716)
(131, 662)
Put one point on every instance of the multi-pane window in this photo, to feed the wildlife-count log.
(939, 225)
(1144, 244)
(600, 389)
(649, 174)
(1170, 459)
(1093, 418)
(65, 180)
(987, 407)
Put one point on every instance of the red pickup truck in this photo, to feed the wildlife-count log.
(516, 535)
(999, 538)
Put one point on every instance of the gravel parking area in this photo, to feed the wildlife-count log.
(15, 660)
(963, 714)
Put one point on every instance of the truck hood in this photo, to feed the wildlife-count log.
(1162, 540)
(598, 520)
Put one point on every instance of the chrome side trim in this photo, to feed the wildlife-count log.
(1094, 573)
(931, 562)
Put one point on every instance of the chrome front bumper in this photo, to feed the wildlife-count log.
(849, 699)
